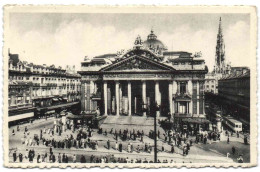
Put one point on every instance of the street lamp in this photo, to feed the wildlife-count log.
(157, 108)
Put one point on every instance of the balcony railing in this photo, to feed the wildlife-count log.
(182, 96)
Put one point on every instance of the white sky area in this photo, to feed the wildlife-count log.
(65, 39)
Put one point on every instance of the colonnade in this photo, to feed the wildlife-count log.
(157, 96)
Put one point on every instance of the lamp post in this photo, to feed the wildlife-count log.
(155, 140)
(155, 133)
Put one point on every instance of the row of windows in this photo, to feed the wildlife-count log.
(36, 78)
(184, 63)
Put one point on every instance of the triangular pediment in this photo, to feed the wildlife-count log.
(137, 63)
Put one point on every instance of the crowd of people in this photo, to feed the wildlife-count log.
(122, 140)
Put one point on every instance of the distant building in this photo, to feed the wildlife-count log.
(221, 67)
(234, 91)
(39, 88)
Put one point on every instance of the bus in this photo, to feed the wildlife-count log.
(232, 123)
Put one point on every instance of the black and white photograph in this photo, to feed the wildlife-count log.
(129, 86)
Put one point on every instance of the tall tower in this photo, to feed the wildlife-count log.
(220, 63)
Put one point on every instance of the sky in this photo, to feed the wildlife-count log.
(66, 38)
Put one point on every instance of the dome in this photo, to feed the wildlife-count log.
(152, 43)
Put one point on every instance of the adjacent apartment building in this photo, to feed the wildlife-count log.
(39, 90)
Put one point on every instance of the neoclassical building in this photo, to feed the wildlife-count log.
(144, 80)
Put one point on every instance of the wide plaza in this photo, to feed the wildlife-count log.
(212, 151)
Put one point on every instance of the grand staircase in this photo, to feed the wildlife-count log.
(130, 122)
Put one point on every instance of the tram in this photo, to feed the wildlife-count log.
(232, 123)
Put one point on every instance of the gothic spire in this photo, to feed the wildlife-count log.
(220, 50)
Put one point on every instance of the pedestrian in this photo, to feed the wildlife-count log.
(245, 140)
(20, 157)
(13, 133)
(14, 156)
(228, 140)
(172, 149)
(184, 151)
(128, 148)
(91, 158)
(228, 155)
(59, 158)
(120, 147)
(38, 158)
(82, 159)
(74, 158)
(233, 150)
(116, 146)
(108, 144)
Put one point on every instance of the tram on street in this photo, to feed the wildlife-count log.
(232, 123)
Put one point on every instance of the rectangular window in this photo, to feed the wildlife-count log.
(183, 87)
(183, 107)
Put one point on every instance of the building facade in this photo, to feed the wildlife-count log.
(234, 91)
(40, 87)
(144, 80)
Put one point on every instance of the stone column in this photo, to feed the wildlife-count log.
(120, 98)
(157, 95)
(174, 91)
(170, 98)
(105, 97)
(157, 92)
(198, 95)
(117, 98)
(144, 95)
(203, 101)
(190, 87)
(178, 87)
(129, 94)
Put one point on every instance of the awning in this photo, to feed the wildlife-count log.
(72, 116)
(50, 112)
(65, 105)
(196, 120)
(20, 116)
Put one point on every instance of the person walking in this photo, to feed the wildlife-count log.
(108, 144)
(128, 148)
(74, 158)
(59, 158)
(172, 149)
(82, 159)
(20, 157)
(116, 146)
(228, 140)
(38, 158)
(233, 150)
(14, 156)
